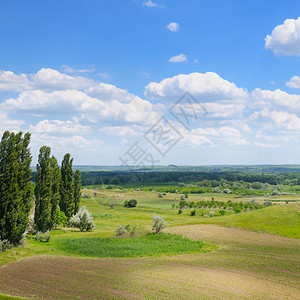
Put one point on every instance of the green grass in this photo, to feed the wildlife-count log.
(6, 297)
(147, 245)
(282, 220)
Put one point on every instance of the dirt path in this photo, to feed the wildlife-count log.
(247, 265)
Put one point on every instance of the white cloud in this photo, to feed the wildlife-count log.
(7, 124)
(58, 126)
(108, 92)
(215, 135)
(44, 79)
(173, 26)
(72, 70)
(149, 3)
(59, 102)
(10, 81)
(58, 142)
(122, 130)
(79, 103)
(294, 82)
(53, 80)
(178, 58)
(207, 87)
(276, 120)
(277, 99)
(263, 145)
(285, 38)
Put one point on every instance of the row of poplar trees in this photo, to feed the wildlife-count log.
(56, 190)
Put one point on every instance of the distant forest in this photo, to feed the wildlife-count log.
(136, 178)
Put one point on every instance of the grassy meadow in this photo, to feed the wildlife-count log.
(252, 254)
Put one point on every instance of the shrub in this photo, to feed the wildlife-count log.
(42, 237)
(193, 213)
(130, 203)
(182, 204)
(126, 229)
(211, 213)
(82, 220)
(222, 212)
(186, 195)
(159, 223)
(237, 210)
(227, 191)
(4, 244)
(179, 212)
(85, 195)
(121, 230)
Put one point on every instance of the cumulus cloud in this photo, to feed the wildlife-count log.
(208, 87)
(10, 81)
(53, 80)
(294, 82)
(213, 136)
(285, 38)
(277, 99)
(44, 79)
(79, 103)
(178, 58)
(108, 92)
(173, 26)
(276, 119)
(59, 126)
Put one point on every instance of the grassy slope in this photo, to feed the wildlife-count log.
(282, 220)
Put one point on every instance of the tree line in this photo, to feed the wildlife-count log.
(123, 178)
(56, 192)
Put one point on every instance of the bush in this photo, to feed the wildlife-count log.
(222, 212)
(182, 204)
(82, 220)
(237, 210)
(42, 237)
(130, 203)
(121, 230)
(159, 223)
(211, 213)
(85, 195)
(126, 229)
(193, 213)
(179, 212)
(4, 244)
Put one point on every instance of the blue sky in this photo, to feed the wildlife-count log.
(92, 77)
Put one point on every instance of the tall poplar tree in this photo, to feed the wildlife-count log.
(77, 192)
(55, 194)
(15, 186)
(67, 204)
(47, 190)
(42, 214)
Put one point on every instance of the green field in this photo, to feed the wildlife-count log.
(195, 255)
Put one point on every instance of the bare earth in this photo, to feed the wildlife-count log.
(248, 265)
